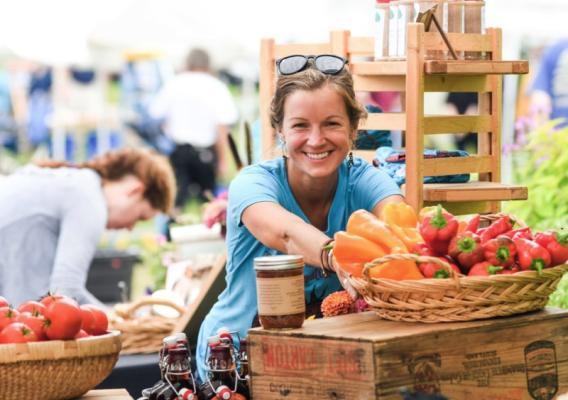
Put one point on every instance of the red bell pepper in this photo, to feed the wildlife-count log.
(422, 249)
(500, 251)
(466, 249)
(438, 229)
(484, 268)
(431, 270)
(524, 232)
(473, 223)
(532, 256)
(556, 243)
(509, 271)
(499, 226)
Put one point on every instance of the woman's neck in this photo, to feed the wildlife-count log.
(314, 196)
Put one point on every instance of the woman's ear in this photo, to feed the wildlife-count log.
(135, 187)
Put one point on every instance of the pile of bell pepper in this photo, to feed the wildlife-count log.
(500, 248)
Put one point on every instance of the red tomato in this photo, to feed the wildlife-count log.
(17, 332)
(35, 322)
(3, 302)
(63, 319)
(7, 316)
(100, 326)
(82, 334)
(89, 322)
(33, 307)
(50, 298)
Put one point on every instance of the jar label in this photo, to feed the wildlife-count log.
(281, 296)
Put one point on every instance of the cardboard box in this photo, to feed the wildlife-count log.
(359, 356)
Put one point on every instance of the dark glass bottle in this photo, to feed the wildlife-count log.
(243, 369)
(178, 378)
(220, 380)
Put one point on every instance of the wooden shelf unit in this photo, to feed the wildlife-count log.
(413, 77)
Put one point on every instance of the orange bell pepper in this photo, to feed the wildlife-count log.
(400, 214)
(403, 221)
(367, 225)
(351, 252)
(397, 270)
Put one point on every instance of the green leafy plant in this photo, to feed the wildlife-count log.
(542, 166)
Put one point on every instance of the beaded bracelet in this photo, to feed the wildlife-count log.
(325, 258)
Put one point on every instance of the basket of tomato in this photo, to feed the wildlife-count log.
(433, 267)
(54, 349)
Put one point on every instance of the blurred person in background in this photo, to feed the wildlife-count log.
(549, 90)
(197, 110)
(53, 214)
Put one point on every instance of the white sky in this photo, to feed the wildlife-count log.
(58, 31)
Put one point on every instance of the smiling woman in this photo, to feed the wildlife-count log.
(295, 204)
(53, 214)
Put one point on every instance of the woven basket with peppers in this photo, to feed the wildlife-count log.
(433, 267)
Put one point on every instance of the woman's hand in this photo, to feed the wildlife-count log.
(343, 280)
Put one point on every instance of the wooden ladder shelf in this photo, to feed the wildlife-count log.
(414, 77)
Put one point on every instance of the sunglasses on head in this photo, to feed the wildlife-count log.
(326, 63)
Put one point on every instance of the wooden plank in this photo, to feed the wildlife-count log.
(453, 83)
(414, 105)
(464, 207)
(379, 68)
(487, 363)
(267, 82)
(283, 50)
(317, 371)
(473, 191)
(389, 121)
(434, 124)
(378, 83)
(456, 165)
(475, 67)
(361, 46)
(107, 394)
(459, 41)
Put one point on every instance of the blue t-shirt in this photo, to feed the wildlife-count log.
(359, 186)
(552, 78)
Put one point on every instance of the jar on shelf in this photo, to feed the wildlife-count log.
(280, 291)
(393, 29)
(382, 11)
(406, 15)
(474, 22)
(454, 13)
(423, 6)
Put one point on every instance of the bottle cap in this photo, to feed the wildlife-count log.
(224, 393)
(186, 394)
(213, 340)
(170, 340)
(181, 336)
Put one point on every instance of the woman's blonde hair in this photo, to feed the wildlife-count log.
(312, 79)
(153, 170)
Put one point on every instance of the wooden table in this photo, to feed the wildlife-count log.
(107, 394)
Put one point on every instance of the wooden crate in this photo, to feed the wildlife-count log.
(359, 356)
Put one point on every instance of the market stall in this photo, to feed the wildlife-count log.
(446, 296)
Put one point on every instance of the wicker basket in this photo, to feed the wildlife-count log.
(457, 298)
(143, 334)
(56, 370)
